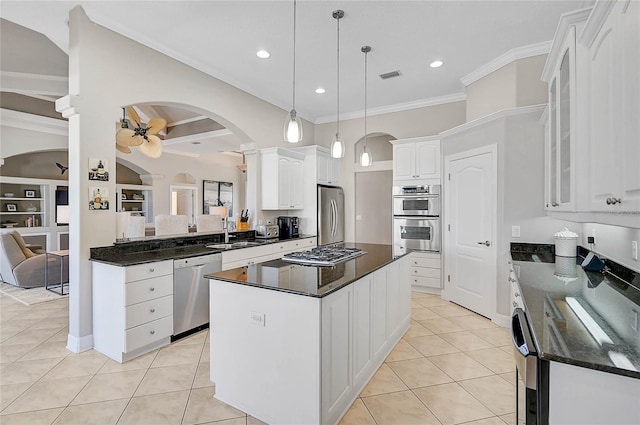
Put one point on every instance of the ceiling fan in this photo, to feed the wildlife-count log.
(143, 136)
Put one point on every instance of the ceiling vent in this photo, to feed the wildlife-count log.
(391, 74)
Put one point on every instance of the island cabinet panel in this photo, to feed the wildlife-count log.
(337, 348)
(362, 315)
(265, 352)
(379, 312)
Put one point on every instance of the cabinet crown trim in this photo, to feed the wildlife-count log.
(567, 21)
(596, 20)
(433, 138)
(284, 152)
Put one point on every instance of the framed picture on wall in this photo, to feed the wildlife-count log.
(29, 193)
(98, 169)
(98, 198)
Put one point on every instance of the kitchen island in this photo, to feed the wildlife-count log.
(296, 344)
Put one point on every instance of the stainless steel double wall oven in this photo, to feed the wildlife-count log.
(416, 218)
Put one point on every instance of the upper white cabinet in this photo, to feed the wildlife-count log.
(612, 38)
(416, 159)
(282, 179)
(562, 143)
(328, 168)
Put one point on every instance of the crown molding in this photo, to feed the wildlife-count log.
(491, 117)
(505, 59)
(22, 120)
(434, 101)
(38, 84)
(567, 21)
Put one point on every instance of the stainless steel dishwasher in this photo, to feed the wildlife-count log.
(191, 293)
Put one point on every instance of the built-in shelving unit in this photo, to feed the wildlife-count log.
(137, 199)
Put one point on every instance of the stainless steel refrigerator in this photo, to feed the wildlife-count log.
(330, 214)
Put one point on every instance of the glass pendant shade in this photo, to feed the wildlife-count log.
(293, 127)
(337, 147)
(365, 158)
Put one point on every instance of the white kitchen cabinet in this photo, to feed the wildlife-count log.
(425, 270)
(362, 310)
(560, 73)
(613, 42)
(328, 168)
(379, 309)
(416, 159)
(282, 179)
(132, 308)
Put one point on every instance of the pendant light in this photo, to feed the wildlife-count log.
(365, 158)
(293, 124)
(337, 145)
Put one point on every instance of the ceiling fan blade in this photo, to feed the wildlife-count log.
(134, 116)
(127, 137)
(155, 125)
(152, 147)
(123, 149)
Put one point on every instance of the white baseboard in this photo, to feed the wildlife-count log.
(501, 320)
(78, 345)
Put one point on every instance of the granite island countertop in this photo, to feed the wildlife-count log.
(311, 281)
(587, 319)
(172, 249)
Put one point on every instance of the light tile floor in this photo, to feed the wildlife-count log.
(451, 367)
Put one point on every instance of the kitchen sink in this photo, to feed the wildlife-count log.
(243, 244)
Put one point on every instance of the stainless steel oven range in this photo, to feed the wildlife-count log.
(416, 218)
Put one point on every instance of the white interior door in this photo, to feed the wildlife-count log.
(470, 229)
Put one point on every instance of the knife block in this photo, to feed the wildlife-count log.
(242, 225)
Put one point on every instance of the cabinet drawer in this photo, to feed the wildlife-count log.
(429, 282)
(148, 289)
(148, 311)
(295, 245)
(148, 333)
(433, 263)
(148, 270)
(425, 272)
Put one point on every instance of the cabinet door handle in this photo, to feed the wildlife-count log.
(153, 310)
(511, 279)
(554, 204)
(515, 304)
(152, 289)
(516, 295)
(151, 270)
(152, 332)
(613, 201)
(486, 243)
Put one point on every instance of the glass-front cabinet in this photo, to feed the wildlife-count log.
(560, 191)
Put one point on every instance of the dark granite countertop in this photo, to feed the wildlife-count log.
(586, 319)
(310, 281)
(175, 248)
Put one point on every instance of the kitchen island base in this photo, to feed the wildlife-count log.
(286, 358)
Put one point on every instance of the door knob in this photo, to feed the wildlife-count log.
(487, 243)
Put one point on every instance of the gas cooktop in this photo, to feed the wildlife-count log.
(323, 256)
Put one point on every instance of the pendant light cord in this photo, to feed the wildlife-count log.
(338, 92)
(294, 55)
(366, 54)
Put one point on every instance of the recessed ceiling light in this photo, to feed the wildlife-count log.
(320, 90)
(436, 64)
(263, 54)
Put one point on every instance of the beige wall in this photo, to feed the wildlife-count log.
(513, 85)
(400, 125)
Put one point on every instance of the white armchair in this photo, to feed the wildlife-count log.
(171, 224)
(209, 223)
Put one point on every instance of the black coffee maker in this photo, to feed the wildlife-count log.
(289, 227)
